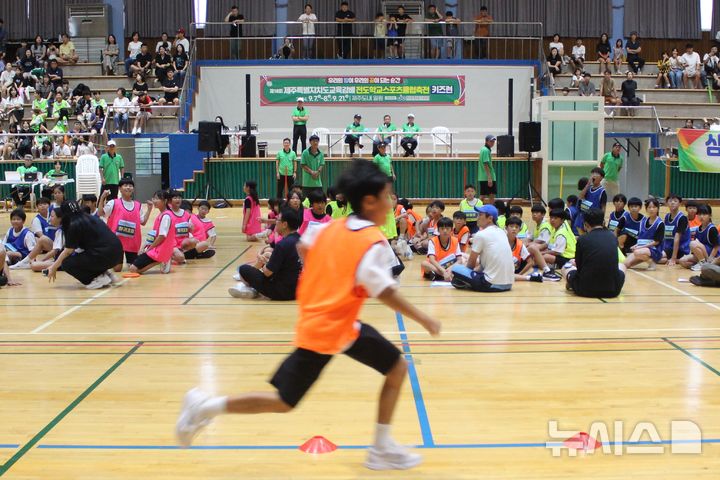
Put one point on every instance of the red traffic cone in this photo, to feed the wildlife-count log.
(318, 444)
(582, 441)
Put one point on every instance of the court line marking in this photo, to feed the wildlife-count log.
(667, 285)
(358, 447)
(58, 418)
(75, 308)
(694, 357)
(191, 297)
(425, 428)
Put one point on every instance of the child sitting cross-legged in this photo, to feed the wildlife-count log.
(315, 215)
(19, 240)
(443, 252)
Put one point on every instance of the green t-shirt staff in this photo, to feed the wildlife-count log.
(486, 170)
(612, 163)
(285, 161)
(383, 161)
(312, 163)
(112, 165)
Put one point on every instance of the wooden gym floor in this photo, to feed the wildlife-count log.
(92, 380)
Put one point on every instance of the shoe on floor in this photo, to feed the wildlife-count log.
(536, 277)
(114, 279)
(98, 282)
(191, 254)
(552, 276)
(206, 254)
(394, 457)
(242, 291)
(695, 268)
(190, 421)
(237, 277)
(23, 264)
(166, 267)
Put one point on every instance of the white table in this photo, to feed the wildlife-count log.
(39, 184)
(371, 134)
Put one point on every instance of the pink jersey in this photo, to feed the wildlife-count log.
(310, 220)
(181, 224)
(126, 225)
(163, 252)
(253, 225)
(202, 227)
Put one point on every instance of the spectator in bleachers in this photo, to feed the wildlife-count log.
(379, 35)
(98, 100)
(10, 143)
(144, 103)
(557, 43)
(52, 51)
(163, 63)
(618, 54)
(67, 51)
(452, 30)
(45, 88)
(164, 42)
(587, 87)
(3, 36)
(576, 78)
(28, 64)
(121, 108)
(607, 90)
(38, 50)
(97, 125)
(629, 97)
(55, 74)
(403, 19)
(110, 55)
(7, 78)
(181, 40)
(180, 62)
(20, 52)
(392, 37)
(62, 149)
(554, 63)
(663, 76)
(434, 30)
(60, 107)
(13, 106)
(308, 19)
(287, 50)
(345, 18)
(693, 66)
(634, 49)
(140, 85)
(133, 49)
(676, 69)
(577, 58)
(710, 65)
(603, 52)
(482, 32)
(172, 91)
(143, 62)
(236, 19)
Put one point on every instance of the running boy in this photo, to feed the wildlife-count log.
(443, 252)
(360, 258)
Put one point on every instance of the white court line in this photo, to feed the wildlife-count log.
(73, 309)
(667, 285)
(386, 332)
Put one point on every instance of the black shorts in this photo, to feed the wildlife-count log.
(130, 257)
(143, 261)
(520, 266)
(302, 368)
(486, 189)
(560, 261)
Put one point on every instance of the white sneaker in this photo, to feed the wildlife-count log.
(114, 279)
(23, 264)
(394, 457)
(190, 421)
(695, 268)
(100, 281)
(166, 267)
(237, 277)
(242, 291)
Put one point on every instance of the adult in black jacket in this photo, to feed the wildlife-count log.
(597, 272)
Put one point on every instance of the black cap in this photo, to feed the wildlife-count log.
(314, 137)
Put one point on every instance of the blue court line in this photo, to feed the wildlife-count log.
(425, 429)
(446, 446)
(9, 445)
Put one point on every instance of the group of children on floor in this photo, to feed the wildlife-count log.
(177, 234)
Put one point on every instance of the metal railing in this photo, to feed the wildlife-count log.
(632, 111)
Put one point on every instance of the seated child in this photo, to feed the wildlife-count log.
(628, 226)
(592, 195)
(516, 211)
(704, 249)
(677, 232)
(428, 227)
(561, 247)
(572, 211)
(90, 204)
(413, 219)
(125, 219)
(315, 215)
(443, 252)
(619, 202)
(203, 231)
(160, 243)
(41, 222)
(42, 261)
(650, 238)
(44, 229)
(58, 194)
(18, 240)
(5, 278)
(502, 213)
(460, 230)
(543, 230)
(691, 210)
(338, 207)
(401, 217)
(529, 256)
(467, 206)
(269, 221)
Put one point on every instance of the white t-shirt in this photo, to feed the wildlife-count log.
(134, 48)
(185, 43)
(62, 150)
(431, 249)
(495, 255)
(59, 241)
(524, 253)
(308, 26)
(36, 226)
(121, 105)
(164, 225)
(374, 272)
(691, 62)
(111, 204)
(559, 46)
(560, 245)
(578, 52)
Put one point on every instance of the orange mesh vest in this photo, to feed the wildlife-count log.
(441, 253)
(461, 234)
(517, 250)
(412, 226)
(327, 295)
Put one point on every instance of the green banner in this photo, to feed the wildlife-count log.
(699, 150)
(363, 89)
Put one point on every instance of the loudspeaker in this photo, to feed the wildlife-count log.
(209, 136)
(164, 170)
(505, 146)
(249, 146)
(529, 140)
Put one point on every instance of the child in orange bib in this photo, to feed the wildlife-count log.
(360, 259)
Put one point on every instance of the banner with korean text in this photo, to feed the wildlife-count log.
(364, 90)
(699, 150)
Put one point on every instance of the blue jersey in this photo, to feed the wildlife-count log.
(16, 243)
(647, 233)
(573, 213)
(47, 229)
(671, 227)
(592, 199)
(632, 227)
(703, 236)
(615, 219)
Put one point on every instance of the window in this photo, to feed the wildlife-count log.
(706, 10)
(201, 12)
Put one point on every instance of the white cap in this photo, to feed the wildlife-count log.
(301, 99)
(411, 115)
(111, 143)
